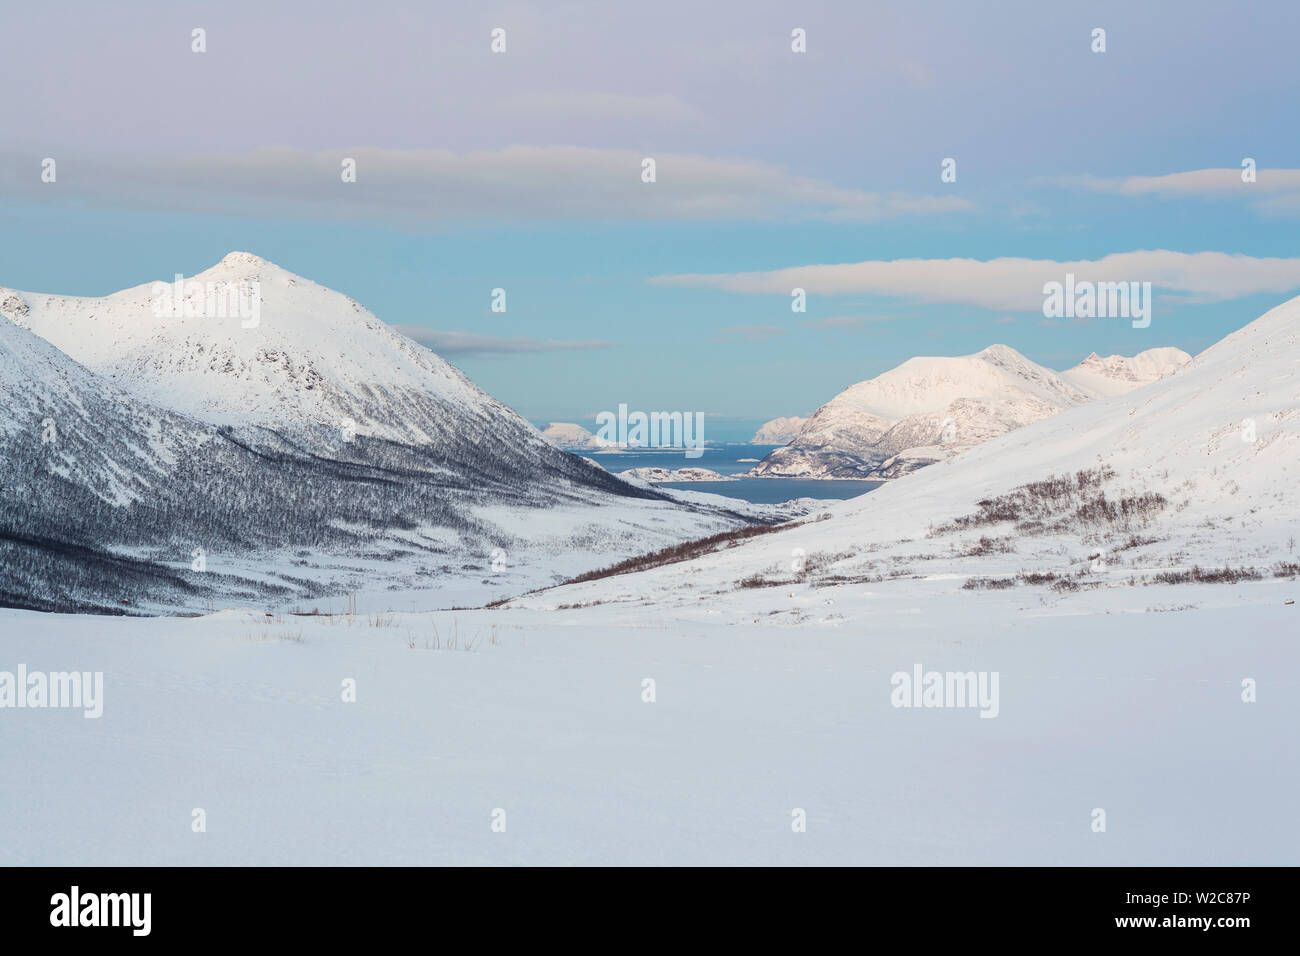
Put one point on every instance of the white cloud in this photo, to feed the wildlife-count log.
(1015, 284)
(466, 343)
(1287, 205)
(518, 183)
(1196, 182)
(1275, 192)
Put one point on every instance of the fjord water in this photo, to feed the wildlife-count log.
(732, 459)
(773, 490)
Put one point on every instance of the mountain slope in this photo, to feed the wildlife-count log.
(197, 435)
(81, 428)
(1195, 471)
(78, 455)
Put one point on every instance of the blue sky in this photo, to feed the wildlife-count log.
(521, 170)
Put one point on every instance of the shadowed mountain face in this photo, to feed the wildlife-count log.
(164, 460)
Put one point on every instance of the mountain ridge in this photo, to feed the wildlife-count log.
(930, 407)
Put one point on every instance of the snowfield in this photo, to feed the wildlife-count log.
(1105, 702)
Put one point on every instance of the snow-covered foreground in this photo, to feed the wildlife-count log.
(1124, 699)
(1066, 566)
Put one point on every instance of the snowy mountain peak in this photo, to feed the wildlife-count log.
(930, 407)
(1117, 374)
(239, 259)
(241, 267)
(248, 343)
(1001, 352)
(929, 383)
(250, 267)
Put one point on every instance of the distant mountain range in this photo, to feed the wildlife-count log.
(930, 408)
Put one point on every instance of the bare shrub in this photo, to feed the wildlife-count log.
(1039, 577)
(1198, 575)
(1098, 510)
(987, 545)
(1047, 506)
(992, 584)
(820, 560)
(1134, 541)
(672, 555)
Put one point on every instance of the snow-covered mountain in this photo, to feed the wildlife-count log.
(930, 408)
(1117, 374)
(778, 431)
(78, 458)
(315, 369)
(310, 452)
(62, 419)
(310, 358)
(572, 437)
(1160, 486)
